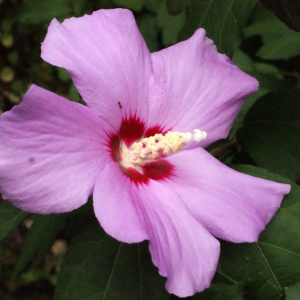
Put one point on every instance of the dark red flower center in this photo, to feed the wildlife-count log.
(130, 131)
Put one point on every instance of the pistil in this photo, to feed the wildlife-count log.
(153, 147)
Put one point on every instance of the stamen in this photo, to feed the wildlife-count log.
(153, 147)
(199, 135)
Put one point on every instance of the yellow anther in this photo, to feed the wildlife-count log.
(153, 147)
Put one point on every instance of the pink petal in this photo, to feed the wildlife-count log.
(230, 205)
(108, 60)
(196, 87)
(180, 247)
(51, 152)
(116, 207)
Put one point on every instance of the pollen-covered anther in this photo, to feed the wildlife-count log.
(153, 147)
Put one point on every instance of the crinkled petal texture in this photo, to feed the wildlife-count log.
(51, 152)
(230, 205)
(194, 86)
(108, 60)
(182, 249)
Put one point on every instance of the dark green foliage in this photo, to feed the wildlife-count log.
(293, 292)
(148, 26)
(219, 291)
(171, 25)
(10, 217)
(223, 21)
(279, 41)
(99, 267)
(272, 263)
(131, 4)
(175, 7)
(271, 133)
(287, 11)
(39, 12)
(40, 238)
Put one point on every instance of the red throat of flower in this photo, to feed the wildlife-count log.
(141, 153)
(132, 130)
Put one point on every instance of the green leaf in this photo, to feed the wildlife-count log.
(98, 267)
(147, 24)
(10, 217)
(43, 11)
(269, 77)
(175, 7)
(221, 292)
(271, 133)
(293, 292)
(287, 11)
(136, 5)
(279, 42)
(74, 95)
(223, 21)
(39, 239)
(79, 7)
(63, 75)
(272, 263)
(171, 25)
(153, 5)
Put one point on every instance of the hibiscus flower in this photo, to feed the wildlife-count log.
(138, 145)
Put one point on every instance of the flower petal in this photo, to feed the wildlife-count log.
(230, 205)
(181, 248)
(116, 207)
(51, 152)
(196, 87)
(108, 60)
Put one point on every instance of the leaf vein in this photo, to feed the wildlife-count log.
(269, 267)
(112, 271)
(282, 249)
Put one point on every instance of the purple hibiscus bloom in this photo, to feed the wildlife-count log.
(134, 146)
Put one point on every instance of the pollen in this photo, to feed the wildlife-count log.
(156, 146)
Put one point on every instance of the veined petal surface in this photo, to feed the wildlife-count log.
(196, 87)
(51, 152)
(182, 249)
(230, 205)
(116, 207)
(108, 60)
